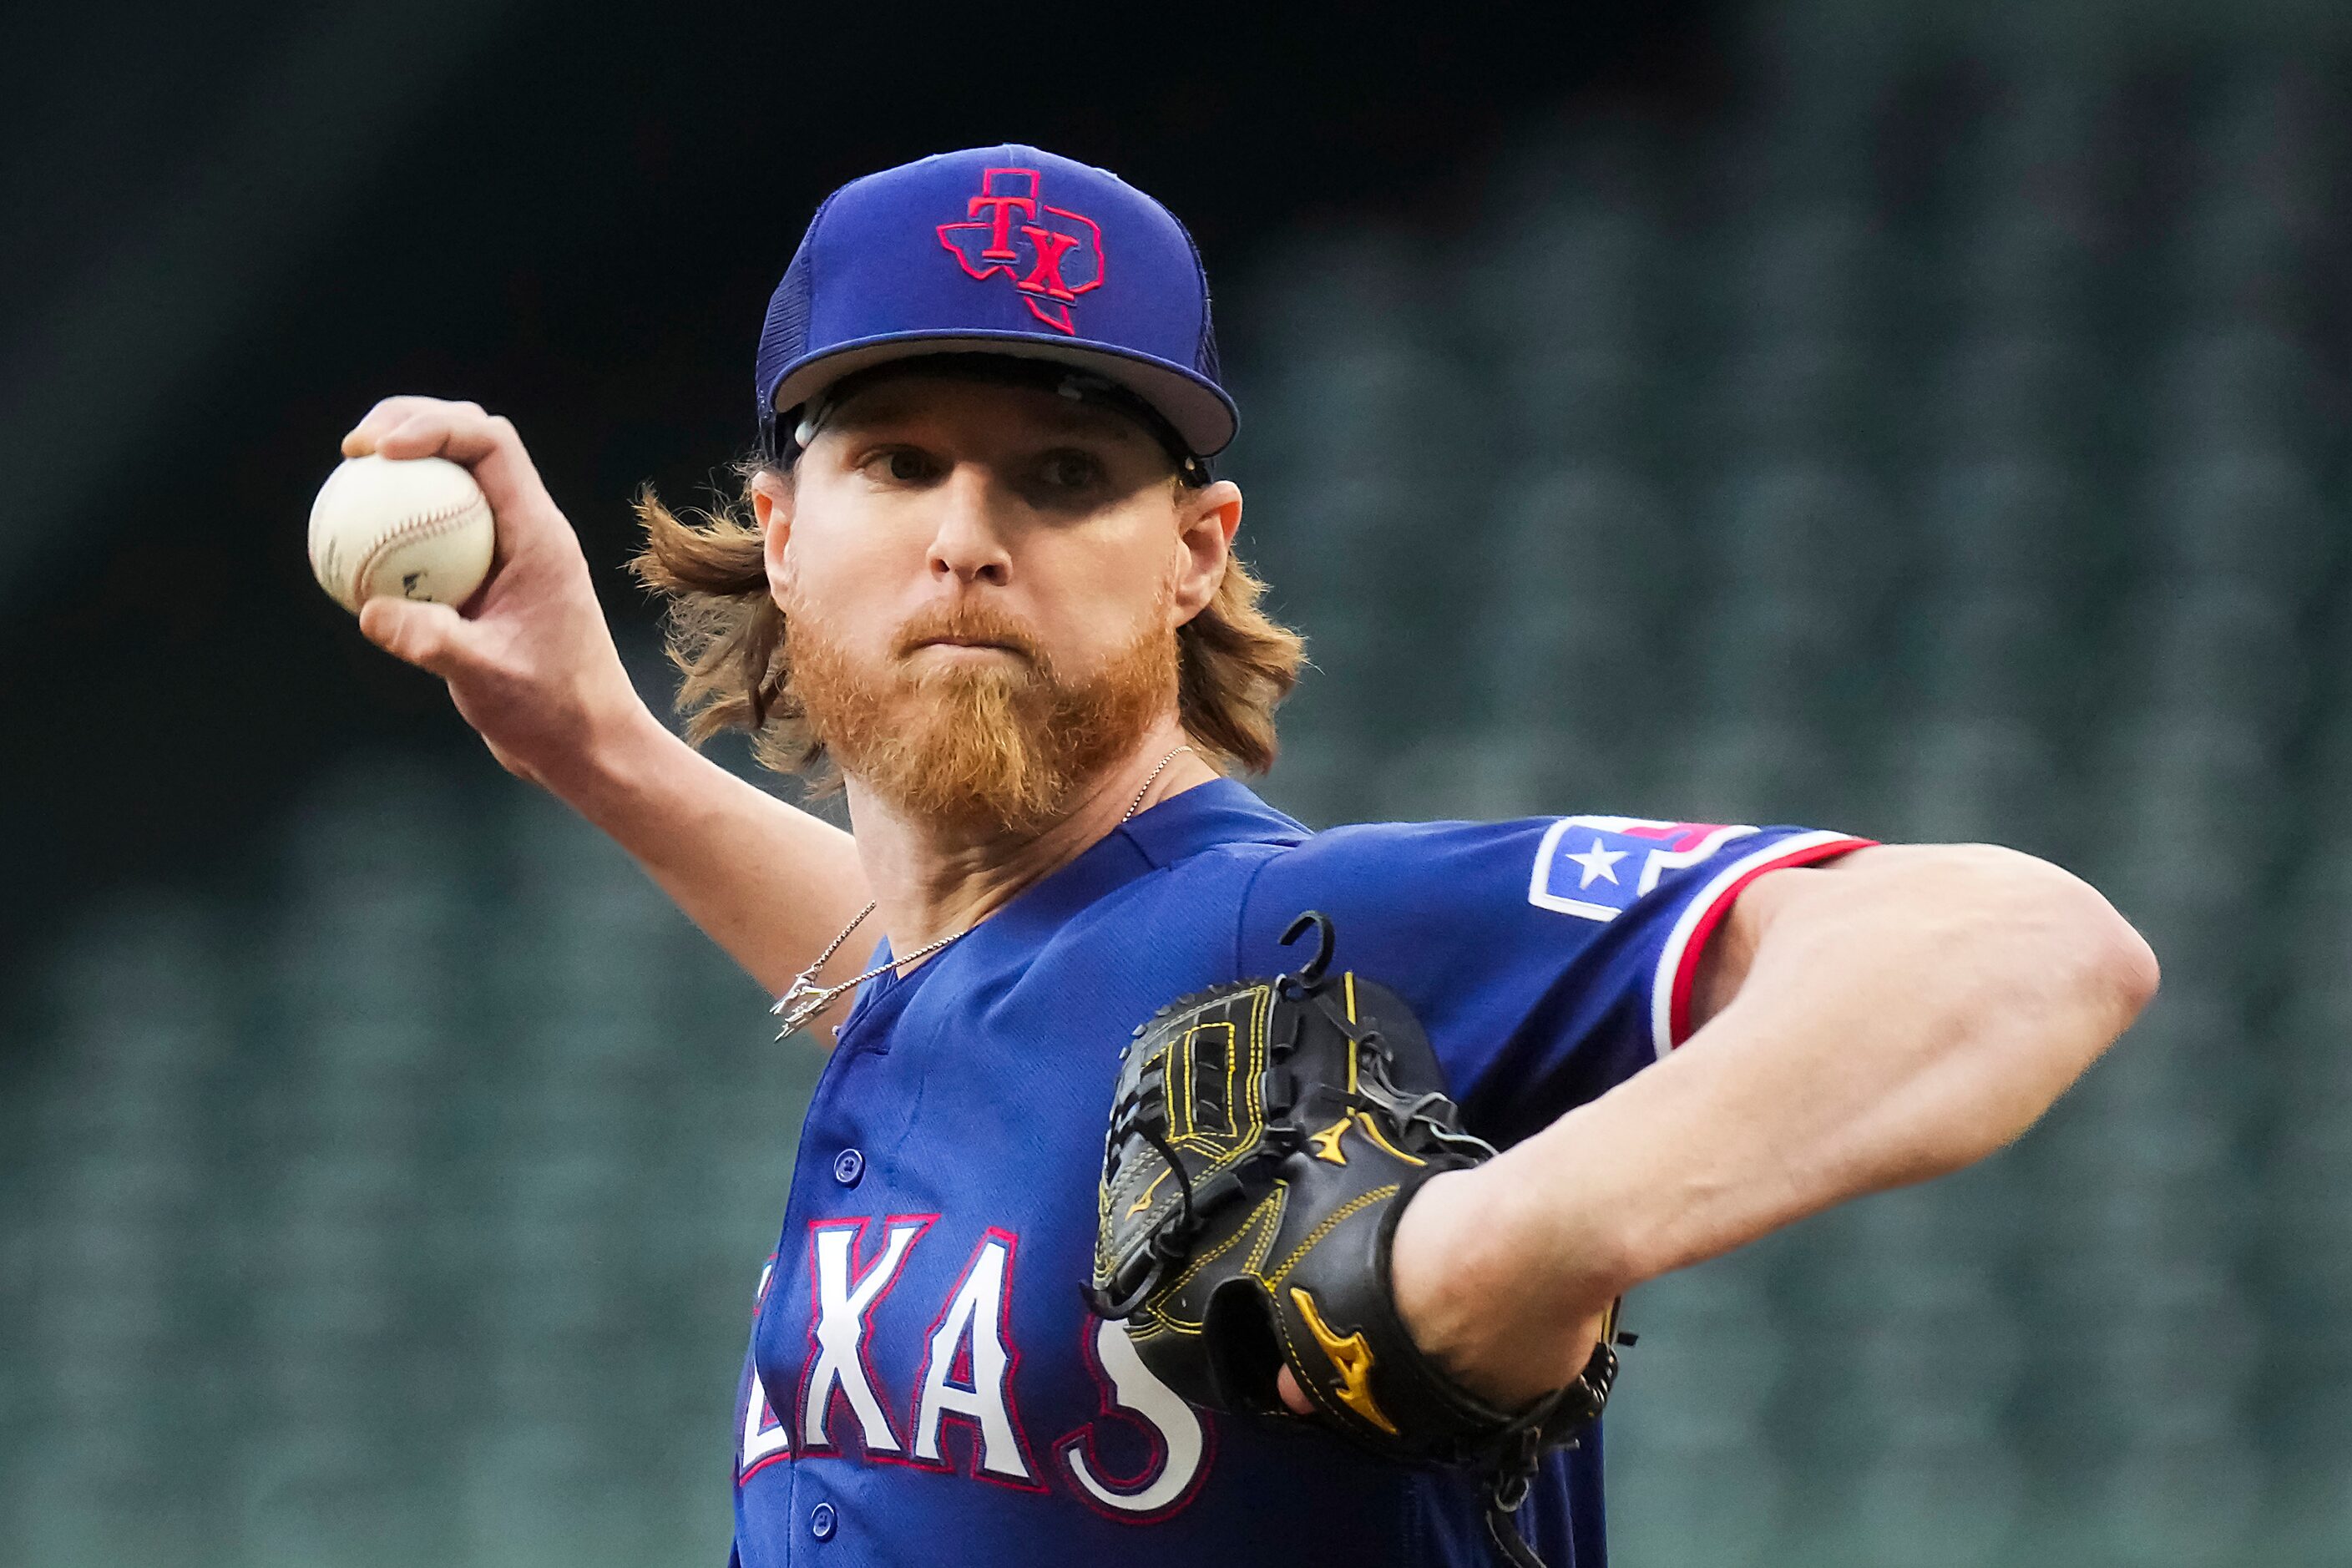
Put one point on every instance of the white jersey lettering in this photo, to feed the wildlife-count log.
(1180, 1441)
(844, 1306)
(970, 1344)
(765, 1438)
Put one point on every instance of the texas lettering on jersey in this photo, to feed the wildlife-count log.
(964, 1377)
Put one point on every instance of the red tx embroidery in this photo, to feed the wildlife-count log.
(1009, 229)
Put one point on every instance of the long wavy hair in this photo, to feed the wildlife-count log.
(726, 635)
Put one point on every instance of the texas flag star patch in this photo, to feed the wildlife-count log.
(1597, 866)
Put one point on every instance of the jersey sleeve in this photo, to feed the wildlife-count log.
(1549, 959)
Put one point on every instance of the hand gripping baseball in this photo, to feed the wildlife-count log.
(529, 660)
(1265, 1138)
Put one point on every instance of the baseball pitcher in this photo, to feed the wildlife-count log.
(1184, 1187)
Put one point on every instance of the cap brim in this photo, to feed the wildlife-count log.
(1202, 414)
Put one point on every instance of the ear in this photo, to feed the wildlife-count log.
(771, 507)
(1206, 520)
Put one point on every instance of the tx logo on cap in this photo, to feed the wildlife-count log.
(1010, 231)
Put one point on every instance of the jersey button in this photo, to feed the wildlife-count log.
(848, 1167)
(822, 1521)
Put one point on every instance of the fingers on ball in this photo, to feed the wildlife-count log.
(388, 415)
(413, 427)
(417, 633)
(381, 624)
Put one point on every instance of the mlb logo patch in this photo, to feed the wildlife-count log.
(1595, 867)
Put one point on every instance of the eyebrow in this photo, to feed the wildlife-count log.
(1087, 417)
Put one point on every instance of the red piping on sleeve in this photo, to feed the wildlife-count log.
(1687, 968)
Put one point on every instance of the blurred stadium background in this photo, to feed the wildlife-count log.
(1861, 415)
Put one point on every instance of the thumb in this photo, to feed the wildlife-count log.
(431, 636)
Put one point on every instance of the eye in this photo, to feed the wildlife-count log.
(901, 465)
(1068, 468)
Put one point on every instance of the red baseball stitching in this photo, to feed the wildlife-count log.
(415, 528)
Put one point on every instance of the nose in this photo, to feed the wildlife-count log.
(968, 544)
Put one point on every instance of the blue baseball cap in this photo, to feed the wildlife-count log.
(1006, 250)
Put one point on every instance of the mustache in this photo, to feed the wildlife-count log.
(968, 622)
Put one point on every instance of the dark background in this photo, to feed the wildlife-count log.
(227, 233)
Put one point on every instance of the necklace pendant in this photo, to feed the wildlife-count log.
(796, 1012)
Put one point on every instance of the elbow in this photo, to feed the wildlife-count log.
(2082, 977)
(2090, 960)
(2104, 976)
(2127, 969)
(2077, 974)
(2109, 967)
(2097, 975)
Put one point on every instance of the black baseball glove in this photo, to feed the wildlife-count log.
(1265, 1136)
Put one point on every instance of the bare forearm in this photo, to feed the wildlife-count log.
(769, 883)
(1898, 1020)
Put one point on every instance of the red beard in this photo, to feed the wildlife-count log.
(1002, 745)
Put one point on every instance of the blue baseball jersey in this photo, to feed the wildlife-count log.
(924, 1381)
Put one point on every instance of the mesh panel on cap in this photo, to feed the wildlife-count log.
(1204, 354)
(785, 336)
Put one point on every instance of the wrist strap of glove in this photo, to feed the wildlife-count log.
(1549, 1422)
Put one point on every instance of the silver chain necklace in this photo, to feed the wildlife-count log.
(804, 999)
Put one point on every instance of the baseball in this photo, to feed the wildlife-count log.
(414, 529)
